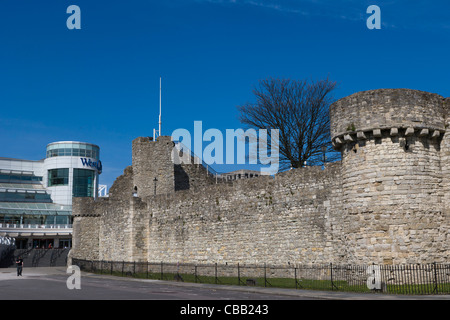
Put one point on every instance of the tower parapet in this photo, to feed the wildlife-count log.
(153, 169)
(401, 112)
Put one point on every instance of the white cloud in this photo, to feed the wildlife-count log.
(413, 15)
(304, 7)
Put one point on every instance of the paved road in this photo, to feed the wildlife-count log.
(50, 283)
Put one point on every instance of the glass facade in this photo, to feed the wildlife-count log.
(35, 219)
(38, 209)
(83, 183)
(36, 196)
(35, 213)
(24, 196)
(18, 178)
(73, 149)
(58, 177)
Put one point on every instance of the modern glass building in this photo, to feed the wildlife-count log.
(71, 169)
(36, 196)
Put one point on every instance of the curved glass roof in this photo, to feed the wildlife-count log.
(19, 208)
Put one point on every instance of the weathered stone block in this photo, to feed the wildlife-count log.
(377, 133)
(409, 132)
(361, 135)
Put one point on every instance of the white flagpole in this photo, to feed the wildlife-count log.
(159, 106)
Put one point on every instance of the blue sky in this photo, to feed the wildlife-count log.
(100, 84)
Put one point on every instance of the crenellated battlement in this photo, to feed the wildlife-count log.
(401, 112)
(351, 137)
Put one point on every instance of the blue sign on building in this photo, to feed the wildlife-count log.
(93, 164)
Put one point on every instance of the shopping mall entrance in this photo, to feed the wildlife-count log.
(43, 243)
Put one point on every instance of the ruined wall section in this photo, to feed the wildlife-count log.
(195, 177)
(158, 159)
(86, 223)
(113, 228)
(190, 174)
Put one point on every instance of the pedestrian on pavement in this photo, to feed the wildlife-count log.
(19, 263)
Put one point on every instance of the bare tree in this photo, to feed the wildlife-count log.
(299, 109)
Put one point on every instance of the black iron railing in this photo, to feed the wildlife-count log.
(414, 279)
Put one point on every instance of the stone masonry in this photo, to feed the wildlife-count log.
(386, 202)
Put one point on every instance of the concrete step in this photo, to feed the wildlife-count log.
(37, 258)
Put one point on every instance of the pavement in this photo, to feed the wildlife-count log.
(51, 283)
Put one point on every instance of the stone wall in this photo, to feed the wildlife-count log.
(278, 221)
(386, 202)
(85, 235)
(291, 218)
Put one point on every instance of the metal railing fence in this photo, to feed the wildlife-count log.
(34, 226)
(413, 279)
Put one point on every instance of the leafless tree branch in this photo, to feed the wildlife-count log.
(299, 109)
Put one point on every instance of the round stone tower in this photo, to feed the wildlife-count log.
(392, 177)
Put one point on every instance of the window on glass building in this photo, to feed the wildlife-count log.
(83, 183)
(58, 177)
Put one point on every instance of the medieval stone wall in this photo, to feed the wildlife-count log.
(292, 218)
(387, 201)
(277, 221)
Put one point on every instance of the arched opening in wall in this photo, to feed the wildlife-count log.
(135, 191)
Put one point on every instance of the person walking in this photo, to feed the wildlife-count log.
(19, 264)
